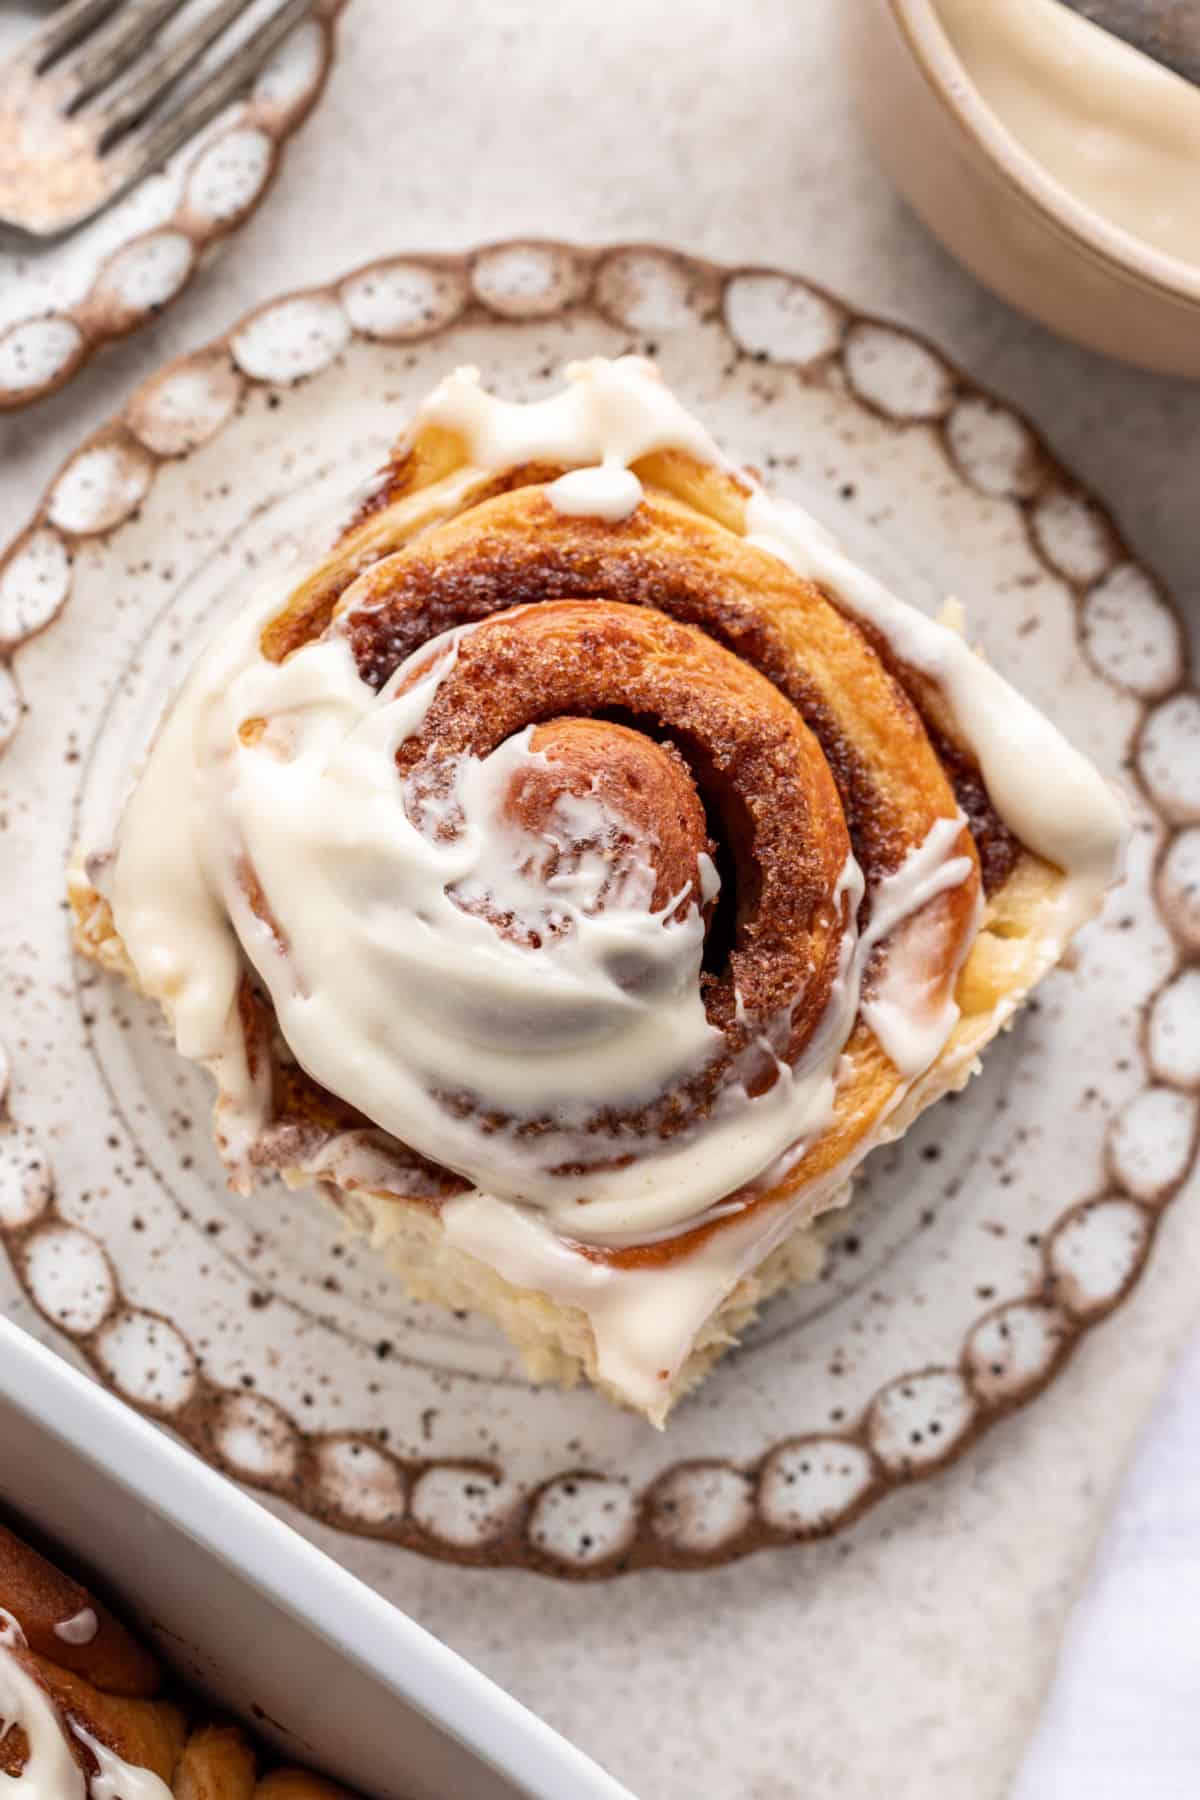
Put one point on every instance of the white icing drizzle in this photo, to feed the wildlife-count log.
(1049, 796)
(609, 491)
(903, 1009)
(389, 982)
(116, 1779)
(609, 412)
(644, 1321)
(80, 1629)
(50, 1771)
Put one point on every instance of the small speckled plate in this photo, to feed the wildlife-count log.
(59, 303)
(979, 1251)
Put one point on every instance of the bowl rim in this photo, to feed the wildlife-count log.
(951, 84)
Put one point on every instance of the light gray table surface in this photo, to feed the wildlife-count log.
(908, 1658)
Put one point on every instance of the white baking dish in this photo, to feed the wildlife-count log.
(269, 1625)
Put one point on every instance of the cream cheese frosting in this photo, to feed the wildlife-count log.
(389, 990)
(80, 1628)
(50, 1772)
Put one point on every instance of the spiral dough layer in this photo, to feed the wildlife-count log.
(585, 826)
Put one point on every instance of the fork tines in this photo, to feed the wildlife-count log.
(122, 71)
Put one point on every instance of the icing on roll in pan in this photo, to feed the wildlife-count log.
(577, 864)
(86, 1713)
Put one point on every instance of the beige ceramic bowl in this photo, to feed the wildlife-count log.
(998, 209)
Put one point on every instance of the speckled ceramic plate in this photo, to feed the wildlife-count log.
(978, 1252)
(60, 303)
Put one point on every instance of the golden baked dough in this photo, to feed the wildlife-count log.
(725, 709)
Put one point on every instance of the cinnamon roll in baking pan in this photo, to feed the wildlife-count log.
(86, 1713)
(577, 864)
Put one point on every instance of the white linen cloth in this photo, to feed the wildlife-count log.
(1122, 1719)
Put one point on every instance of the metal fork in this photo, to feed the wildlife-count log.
(94, 102)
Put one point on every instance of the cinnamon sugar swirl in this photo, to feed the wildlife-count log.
(581, 864)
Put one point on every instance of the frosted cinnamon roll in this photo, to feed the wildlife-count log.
(580, 865)
(86, 1713)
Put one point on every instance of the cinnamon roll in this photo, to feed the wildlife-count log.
(86, 1713)
(578, 864)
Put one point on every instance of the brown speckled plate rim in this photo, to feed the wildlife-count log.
(981, 1388)
(99, 324)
